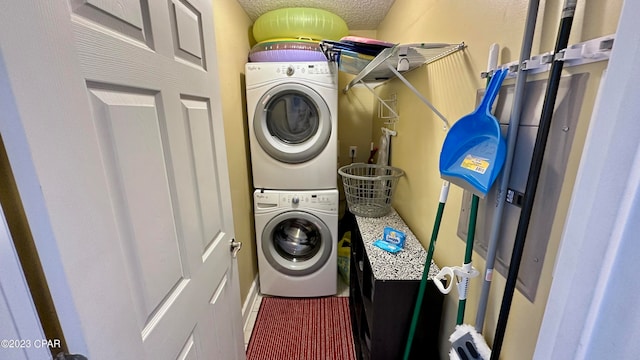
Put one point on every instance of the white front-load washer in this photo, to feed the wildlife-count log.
(296, 235)
(292, 111)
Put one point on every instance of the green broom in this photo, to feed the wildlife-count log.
(444, 193)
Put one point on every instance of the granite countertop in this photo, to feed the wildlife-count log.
(407, 264)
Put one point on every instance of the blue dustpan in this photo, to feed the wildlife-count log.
(474, 150)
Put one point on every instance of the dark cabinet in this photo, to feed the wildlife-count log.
(382, 307)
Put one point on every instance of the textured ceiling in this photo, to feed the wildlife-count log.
(358, 14)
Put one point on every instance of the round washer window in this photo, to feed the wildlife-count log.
(296, 239)
(297, 243)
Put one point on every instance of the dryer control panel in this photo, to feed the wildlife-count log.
(318, 70)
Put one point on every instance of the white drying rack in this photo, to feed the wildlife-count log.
(403, 58)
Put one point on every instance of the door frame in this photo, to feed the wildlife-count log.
(588, 313)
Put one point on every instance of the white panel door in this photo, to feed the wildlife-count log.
(115, 134)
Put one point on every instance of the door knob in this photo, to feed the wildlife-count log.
(235, 247)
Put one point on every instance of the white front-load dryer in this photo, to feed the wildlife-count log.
(296, 235)
(292, 111)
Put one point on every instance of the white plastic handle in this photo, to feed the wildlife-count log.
(444, 192)
(492, 64)
(462, 288)
(466, 272)
(442, 275)
(458, 274)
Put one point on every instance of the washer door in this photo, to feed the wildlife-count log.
(292, 123)
(296, 243)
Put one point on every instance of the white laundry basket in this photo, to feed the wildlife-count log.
(369, 188)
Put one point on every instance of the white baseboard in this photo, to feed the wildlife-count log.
(254, 291)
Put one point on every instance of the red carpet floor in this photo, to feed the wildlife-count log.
(302, 329)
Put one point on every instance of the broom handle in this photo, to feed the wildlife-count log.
(444, 193)
(534, 175)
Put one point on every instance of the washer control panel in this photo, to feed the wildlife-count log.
(307, 199)
(320, 200)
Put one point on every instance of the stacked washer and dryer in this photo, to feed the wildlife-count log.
(292, 113)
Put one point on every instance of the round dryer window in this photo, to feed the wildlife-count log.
(296, 243)
(292, 123)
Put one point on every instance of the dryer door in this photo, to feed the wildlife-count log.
(296, 243)
(292, 123)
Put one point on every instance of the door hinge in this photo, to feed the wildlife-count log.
(235, 247)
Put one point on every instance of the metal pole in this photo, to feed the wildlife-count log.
(514, 123)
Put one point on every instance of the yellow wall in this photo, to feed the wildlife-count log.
(355, 115)
(451, 85)
(232, 27)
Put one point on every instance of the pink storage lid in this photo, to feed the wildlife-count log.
(364, 40)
